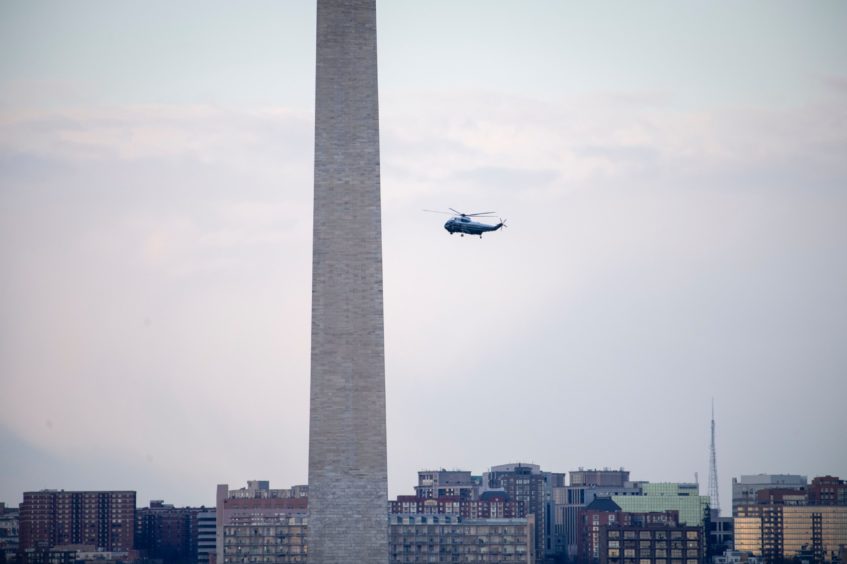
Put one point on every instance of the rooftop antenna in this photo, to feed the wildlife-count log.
(714, 499)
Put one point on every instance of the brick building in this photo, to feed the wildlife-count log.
(584, 487)
(603, 514)
(490, 505)
(645, 542)
(169, 533)
(103, 519)
(827, 490)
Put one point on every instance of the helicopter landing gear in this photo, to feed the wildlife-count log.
(480, 236)
(462, 234)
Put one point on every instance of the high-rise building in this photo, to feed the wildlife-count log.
(102, 519)
(260, 524)
(803, 523)
(167, 533)
(9, 533)
(585, 486)
(347, 437)
(528, 484)
(206, 537)
(782, 532)
(744, 488)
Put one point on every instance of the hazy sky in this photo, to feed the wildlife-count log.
(675, 183)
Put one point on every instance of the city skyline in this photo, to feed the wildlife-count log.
(673, 177)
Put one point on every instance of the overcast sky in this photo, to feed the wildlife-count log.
(675, 183)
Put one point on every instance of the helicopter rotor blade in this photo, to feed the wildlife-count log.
(456, 211)
(438, 211)
(478, 214)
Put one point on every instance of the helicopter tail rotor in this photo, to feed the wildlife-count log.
(503, 222)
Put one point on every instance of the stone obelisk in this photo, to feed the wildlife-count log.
(348, 500)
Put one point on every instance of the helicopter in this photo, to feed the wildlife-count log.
(462, 223)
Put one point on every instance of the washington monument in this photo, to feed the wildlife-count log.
(348, 499)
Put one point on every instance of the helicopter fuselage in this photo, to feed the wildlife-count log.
(464, 225)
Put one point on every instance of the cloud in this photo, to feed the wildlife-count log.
(158, 273)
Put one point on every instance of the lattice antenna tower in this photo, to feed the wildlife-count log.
(714, 498)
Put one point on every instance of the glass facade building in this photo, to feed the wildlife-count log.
(660, 497)
(777, 532)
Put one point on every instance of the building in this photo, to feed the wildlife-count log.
(206, 537)
(168, 533)
(647, 541)
(808, 524)
(827, 490)
(282, 538)
(721, 535)
(444, 538)
(744, 489)
(77, 554)
(490, 505)
(683, 498)
(102, 519)
(260, 524)
(778, 532)
(584, 487)
(9, 533)
(528, 484)
(601, 512)
(447, 483)
(604, 478)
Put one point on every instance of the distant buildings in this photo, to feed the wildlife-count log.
(650, 538)
(102, 519)
(692, 507)
(454, 516)
(440, 538)
(167, 533)
(490, 505)
(651, 531)
(528, 484)
(744, 489)
(803, 523)
(206, 531)
(584, 487)
(827, 490)
(447, 483)
(9, 533)
(258, 524)
(77, 554)
(604, 478)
